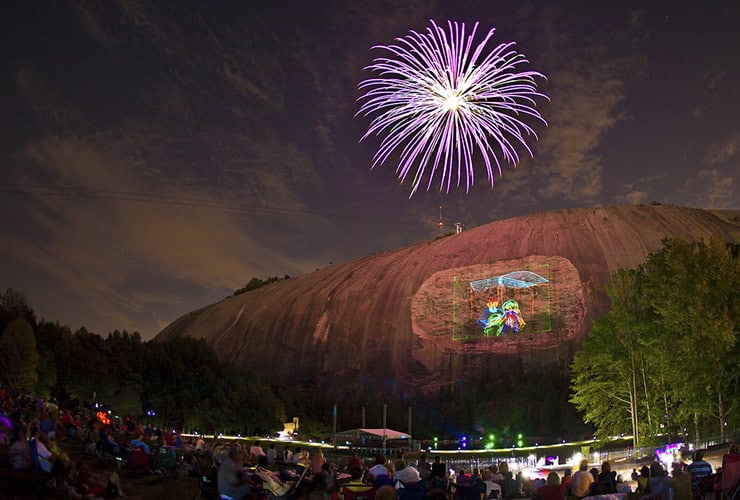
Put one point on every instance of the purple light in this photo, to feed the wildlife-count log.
(437, 101)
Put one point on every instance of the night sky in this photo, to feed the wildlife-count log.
(158, 155)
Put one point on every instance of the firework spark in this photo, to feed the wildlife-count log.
(438, 100)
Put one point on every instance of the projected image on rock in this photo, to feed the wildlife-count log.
(497, 320)
(501, 304)
(506, 306)
(501, 316)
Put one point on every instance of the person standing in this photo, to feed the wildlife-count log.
(271, 454)
(424, 468)
(439, 473)
(681, 483)
(659, 483)
(287, 455)
(318, 461)
(255, 452)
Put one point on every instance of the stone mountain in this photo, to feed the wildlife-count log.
(404, 323)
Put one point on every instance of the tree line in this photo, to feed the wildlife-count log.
(256, 283)
(665, 359)
(180, 381)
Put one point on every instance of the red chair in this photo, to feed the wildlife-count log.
(138, 460)
(358, 493)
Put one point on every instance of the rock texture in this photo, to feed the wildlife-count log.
(384, 323)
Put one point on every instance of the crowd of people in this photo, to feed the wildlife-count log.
(414, 479)
(32, 428)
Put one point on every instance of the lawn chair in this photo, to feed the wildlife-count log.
(208, 483)
(165, 464)
(139, 461)
(275, 487)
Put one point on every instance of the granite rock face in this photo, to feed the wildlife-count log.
(406, 319)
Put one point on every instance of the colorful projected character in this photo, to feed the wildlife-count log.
(512, 317)
(491, 319)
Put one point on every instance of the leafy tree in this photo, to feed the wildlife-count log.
(694, 287)
(18, 358)
(14, 305)
(53, 345)
(667, 346)
(256, 283)
(604, 384)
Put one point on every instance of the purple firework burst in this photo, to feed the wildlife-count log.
(437, 100)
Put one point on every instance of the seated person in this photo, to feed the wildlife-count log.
(659, 483)
(230, 478)
(510, 487)
(356, 482)
(107, 443)
(553, 489)
(386, 493)
(49, 462)
(643, 485)
(380, 474)
(607, 479)
(407, 474)
(379, 468)
(476, 487)
(47, 426)
(18, 453)
(493, 489)
(140, 456)
(84, 483)
(354, 462)
(138, 442)
(699, 469)
(681, 483)
(582, 481)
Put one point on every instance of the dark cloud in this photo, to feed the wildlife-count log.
(159, 155)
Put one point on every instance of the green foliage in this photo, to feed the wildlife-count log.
(666, 355)
(13, 305)
(256, 283)
(18, 357)
(182, 380)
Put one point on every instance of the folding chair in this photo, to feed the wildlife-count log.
(138, 461)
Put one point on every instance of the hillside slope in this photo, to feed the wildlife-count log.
(404, 321)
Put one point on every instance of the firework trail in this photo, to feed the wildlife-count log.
(436, 100)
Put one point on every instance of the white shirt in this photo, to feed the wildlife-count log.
(44, 454)
(379, 470)
(409, 475)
